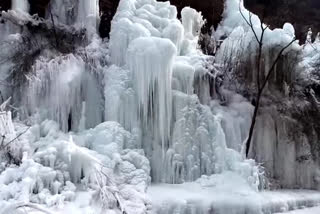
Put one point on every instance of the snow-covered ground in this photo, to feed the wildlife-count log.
(312, 210)
(224, 198)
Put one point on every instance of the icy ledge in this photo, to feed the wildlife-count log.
(220, 197)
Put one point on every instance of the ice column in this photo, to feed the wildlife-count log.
(88, 15)
(151, 60)
(20, 5)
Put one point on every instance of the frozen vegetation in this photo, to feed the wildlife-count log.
(87, 126)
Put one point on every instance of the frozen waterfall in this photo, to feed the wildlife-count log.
(127, 125)
(182, 138)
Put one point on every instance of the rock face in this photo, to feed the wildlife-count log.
(108, 9)
(38, 7)
(302, 14)
(5, 5)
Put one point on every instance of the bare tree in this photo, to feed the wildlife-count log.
(261, 79)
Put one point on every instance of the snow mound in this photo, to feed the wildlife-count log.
(60, 165)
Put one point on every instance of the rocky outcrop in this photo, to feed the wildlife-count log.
(5, 5)
(108, 9)
(38, 7)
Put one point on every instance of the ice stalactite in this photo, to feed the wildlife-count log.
(88, 15)
(150, 60)
(60, 89)
(20, 5)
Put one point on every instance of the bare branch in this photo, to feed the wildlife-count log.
(19, 135)
(275, 63)
(34, 207)
(249, 22)
(260, 87)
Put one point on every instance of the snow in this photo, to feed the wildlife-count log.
(220, 196)
(312, 210)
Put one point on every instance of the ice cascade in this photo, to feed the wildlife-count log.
(159, 60)
(110, 116)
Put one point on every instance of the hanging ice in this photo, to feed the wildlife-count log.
(60, 89)
(20, 5)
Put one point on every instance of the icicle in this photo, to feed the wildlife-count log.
(20, 5)
(88, 15)
(82, 122)
(55, 92)
(317, 40)
(150, 60)
(309, 37)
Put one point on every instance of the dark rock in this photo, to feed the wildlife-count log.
(108, 9)
(38, 7)
(5, 5)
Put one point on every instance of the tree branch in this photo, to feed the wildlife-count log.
(19, 135)
(275, 63)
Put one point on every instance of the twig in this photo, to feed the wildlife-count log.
(35, 207)
(19, 135)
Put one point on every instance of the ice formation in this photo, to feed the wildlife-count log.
(79, 13)
(20, 5)
(65, 76)
(111, 116)
(273, 132)
(182, 138)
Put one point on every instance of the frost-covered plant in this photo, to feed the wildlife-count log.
(108, 192)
